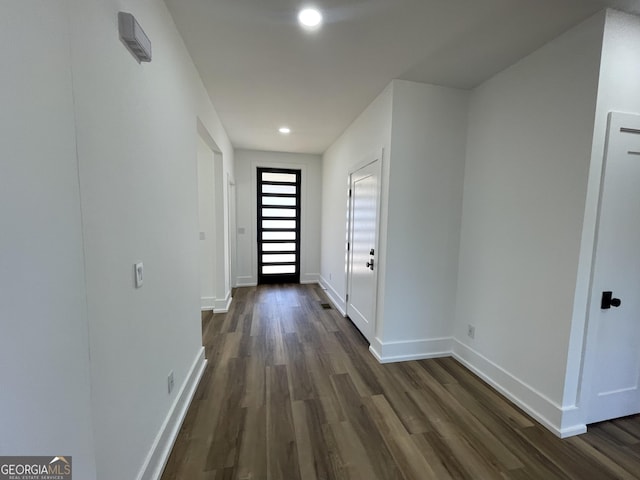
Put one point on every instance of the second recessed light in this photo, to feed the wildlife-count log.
(284, 130)
(310, 18)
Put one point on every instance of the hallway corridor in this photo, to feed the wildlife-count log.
(291, 392)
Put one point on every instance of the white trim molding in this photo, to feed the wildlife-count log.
(207, 303)
(573, 422)
(563, 421)
(159, 453)
(309, 278)
(305, 279)
(334, 296)
(536, 404)
(406, 350)
(246, 281)
(222, 305)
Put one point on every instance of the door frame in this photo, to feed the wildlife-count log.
(253, 224)
(370, 159)
(286, 277)
(222, 298)
(205, 173)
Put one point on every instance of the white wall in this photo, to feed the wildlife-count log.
(44, 354)
(618, 91)
(247, 161)
(206, 210)
(424, 213)
(137, 128)
(363, 140)
(422, 129)
(528, 151)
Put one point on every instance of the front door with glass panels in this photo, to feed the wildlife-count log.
(278, 225)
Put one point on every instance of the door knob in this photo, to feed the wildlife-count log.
(370, 264)
(608, 301)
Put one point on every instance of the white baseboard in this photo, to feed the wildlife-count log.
(207, 303)
(540, 407)
(562, 421)
(246, 282)
(403, 351)
(159, 453)
(572, 430)
(334, 296)
(218, 306)
(573, 421)
(309, 278)
(222, 305)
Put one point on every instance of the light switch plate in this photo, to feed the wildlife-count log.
(139, 271)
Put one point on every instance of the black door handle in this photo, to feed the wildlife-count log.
(608, 301)
(370, 264)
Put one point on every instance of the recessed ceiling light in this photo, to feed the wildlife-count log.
(310, 18)
(284, 130)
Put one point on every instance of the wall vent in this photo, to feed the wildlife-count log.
(133, 37)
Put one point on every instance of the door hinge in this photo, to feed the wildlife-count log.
(347, 297)
(350, 192)
(348, 246)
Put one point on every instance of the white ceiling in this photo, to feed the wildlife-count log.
(262, 71)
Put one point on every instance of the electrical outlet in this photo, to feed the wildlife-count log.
(471, 331)
(170, 381)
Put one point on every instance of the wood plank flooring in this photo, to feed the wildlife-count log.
(291, 392)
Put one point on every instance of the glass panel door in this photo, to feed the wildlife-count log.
(278, 225)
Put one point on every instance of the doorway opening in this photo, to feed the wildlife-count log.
(207, 224)
(278, 225)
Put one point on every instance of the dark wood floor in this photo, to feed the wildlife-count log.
(291, 392)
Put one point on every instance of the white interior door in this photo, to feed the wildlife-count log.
(615, 363)
(362, 267)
